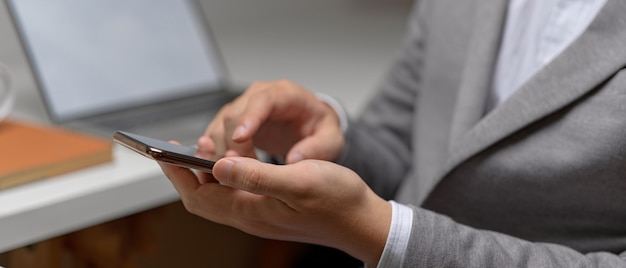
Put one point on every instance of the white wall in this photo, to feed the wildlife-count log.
(338, 47)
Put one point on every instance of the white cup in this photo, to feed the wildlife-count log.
(7, 92)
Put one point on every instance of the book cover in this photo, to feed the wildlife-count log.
(31, 152)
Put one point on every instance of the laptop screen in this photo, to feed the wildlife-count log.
(91, 57)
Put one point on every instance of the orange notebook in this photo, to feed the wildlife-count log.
(30, 152)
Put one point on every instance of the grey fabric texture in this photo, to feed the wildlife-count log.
(539, 181)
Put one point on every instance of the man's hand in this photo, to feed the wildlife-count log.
(278, 117)
(311, 201)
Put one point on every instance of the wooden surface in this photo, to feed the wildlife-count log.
(167, 236)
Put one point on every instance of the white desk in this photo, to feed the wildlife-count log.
(340, 48)
(63, 204)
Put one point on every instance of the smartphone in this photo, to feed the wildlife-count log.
(159, 150)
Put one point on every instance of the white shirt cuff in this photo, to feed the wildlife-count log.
(398, 238)
(339, 110)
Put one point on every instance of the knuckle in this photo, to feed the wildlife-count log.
(215, 133)
(260, 94)
(284, 82)
(227, 106)
(230, 114)
(226, 114)
(252, 181)
(257, 84)
(310, 175)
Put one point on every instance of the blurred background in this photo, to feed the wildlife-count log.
(338, 47)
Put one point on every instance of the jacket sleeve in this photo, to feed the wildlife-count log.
(378, 144)
(438, 241)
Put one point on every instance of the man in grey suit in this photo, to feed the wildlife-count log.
(499, 161)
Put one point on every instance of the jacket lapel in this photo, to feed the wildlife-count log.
(590, 60)
(486, 20)
(483, 50)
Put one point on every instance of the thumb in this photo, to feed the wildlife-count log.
(325, 144)
(253, 176)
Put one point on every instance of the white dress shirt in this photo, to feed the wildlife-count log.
(536, 31)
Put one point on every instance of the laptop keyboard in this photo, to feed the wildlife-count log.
(157, 113)
(183, 120)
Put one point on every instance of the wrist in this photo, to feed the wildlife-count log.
(369, 232)
(340, 112)
(337, 111)
(398, 237)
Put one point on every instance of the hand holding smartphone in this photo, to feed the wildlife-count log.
(159, 150)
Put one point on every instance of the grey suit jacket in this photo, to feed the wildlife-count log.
(538, 181)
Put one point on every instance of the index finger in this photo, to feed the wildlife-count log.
(183, 179)
(256, 111)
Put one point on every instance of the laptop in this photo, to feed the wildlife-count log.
(149, 67)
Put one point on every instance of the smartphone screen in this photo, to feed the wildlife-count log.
(163, 151)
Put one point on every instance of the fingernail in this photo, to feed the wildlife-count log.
(226, 170)
(295, 157)
(203, 140)
(239, 132)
